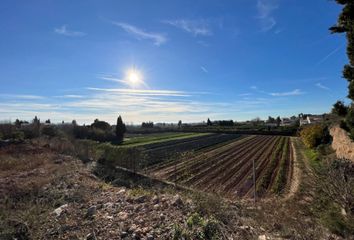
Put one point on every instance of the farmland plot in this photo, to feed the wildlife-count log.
(227, 170)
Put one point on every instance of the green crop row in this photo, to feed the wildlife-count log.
(267, 176)
(280, 180)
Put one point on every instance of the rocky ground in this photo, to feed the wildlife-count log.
(46, 195)
(53, 196)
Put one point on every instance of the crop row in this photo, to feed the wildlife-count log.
(166, 151)
(265, 180)
(280, 179)
(227, 170)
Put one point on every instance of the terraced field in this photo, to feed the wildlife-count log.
(227, 169)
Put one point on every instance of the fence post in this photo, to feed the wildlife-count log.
(254, 181)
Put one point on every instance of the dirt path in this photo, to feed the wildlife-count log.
(296, 176)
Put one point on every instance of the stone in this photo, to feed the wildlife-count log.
(122, 191)
(58, 211)
(123, 216)
(91, 211)
(135, 236)
(155, 200)
(132, 228)
(262, 237)
(177, 201)
(91, 236)
(140, 199)
(123, 234)
(149, 237)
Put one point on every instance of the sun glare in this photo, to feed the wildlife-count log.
(134, 78)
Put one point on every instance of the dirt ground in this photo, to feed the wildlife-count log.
(46, 195)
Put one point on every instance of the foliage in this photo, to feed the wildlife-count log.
(120, 129)
(179, 123)
(345, 24)
(314, 135)
(49, 130)
(6, 130)
(98, 131)
(340, 109)
(81, 132)
(225, 122)
(198, 228)
(102, 125)
(335, 196)
(349, 120)
(267, 176)
(147, 125)
(130, 158)
(209, 123)
(280, 179)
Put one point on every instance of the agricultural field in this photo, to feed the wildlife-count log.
(133, 140)
(226, 169)
(139, 156)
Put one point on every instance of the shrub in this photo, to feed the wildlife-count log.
(50, 131)
(350, 121)
(198, 227)
(101, 125)
(340, 109)
(314, 135)
(9, 131)
(81, 132)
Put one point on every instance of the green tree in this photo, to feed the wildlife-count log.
(120, 129)
(101, 125)
(36, 126)
(340, 109)
(209, 122)
(345, 24)
(278, 121)
(18, 123)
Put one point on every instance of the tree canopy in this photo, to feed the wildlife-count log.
(345, 24)
(120, 129)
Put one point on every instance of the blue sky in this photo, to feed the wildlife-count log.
(236, 59)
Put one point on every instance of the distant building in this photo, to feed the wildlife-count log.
(311, 119)
(288, 121)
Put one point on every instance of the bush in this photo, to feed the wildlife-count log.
(50, 131)
(197, 228)
(314, 135)
(335, 189)
(9, 131)
(349, 120)
(340, 109)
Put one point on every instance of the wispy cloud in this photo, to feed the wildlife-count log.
(157, 38)
(143, 92)
(20, 96)
(63, 30)
(265, 10)
(204, 69)
(195, 27)
(295, 92)
(320, 85)
(111, 78)
(325, 58)
(70, 96)
(245, 94)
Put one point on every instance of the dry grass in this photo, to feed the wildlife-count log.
(33, 182)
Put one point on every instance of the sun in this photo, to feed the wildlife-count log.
(134, 78)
